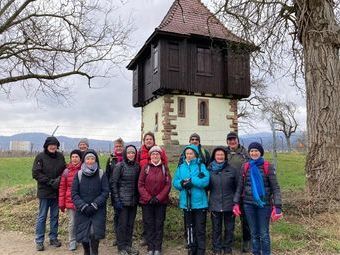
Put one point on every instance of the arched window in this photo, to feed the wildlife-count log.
(203, 112)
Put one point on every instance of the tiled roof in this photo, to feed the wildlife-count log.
(193, 17)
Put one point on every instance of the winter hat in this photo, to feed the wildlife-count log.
(232, 135)
(155, 148)
(130, 149)
(256, 146)
(84, 140)
(78, 152)
(90, 154)
(150, 134)
(195, 135)
(51, 140)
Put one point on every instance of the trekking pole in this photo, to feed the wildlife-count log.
(190, 234)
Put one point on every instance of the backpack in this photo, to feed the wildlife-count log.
(247, 166)
(80, 174)
(147, 169)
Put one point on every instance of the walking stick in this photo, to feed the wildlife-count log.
(190, 232)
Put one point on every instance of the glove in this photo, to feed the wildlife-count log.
(54, 183)
(153, 200)
(276, 214)
(188, 185)
(89, 210)
(118, 205)
(201, 175)
(236, 210)
(62, 208)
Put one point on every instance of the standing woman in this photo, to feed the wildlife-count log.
(191, 179)
(125, 191)
(260, 190)
(90, 191)
(65, 195)
(154, 186)
(222, 186)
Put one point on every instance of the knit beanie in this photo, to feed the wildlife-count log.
(195, 135)
(84, 140)
(131, 149)
(78, 152)
(90, 155)
(51, 140)
(155, 148)
(256, 146)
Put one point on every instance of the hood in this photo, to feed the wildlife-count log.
(194, 148)
(219, 148)
(94, 153)
(51, 140)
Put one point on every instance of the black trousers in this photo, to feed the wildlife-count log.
(126, 222)
(198, 218)
(222, 240)
(246, 237)
(154, 216)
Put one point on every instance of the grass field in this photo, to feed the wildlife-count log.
(294, 234)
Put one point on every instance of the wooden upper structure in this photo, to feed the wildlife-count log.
(190, 52)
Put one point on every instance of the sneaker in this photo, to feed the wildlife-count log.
(40, 246)
(72, 246)
(132, 251)
(123, 252)
(55, 243)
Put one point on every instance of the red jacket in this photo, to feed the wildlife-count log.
(154, 182)
(144, 157)
(65, 187)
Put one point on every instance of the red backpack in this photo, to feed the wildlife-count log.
(247, 166)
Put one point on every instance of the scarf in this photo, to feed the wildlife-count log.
(216, 167)
(72, 167)
(257, 185)
(89, 170)
(119, 156)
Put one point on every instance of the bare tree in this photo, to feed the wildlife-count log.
(282, 116)
(43, 42)
(301, 36)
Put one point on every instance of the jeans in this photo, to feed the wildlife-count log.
(258, 220)
(222, 240)
(46, 204)
(71, 225)
(154, 216)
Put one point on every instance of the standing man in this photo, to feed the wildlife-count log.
(204, 154)
(47, 169)
(237, 156)
(83, 145)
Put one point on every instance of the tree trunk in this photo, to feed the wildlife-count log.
(320, 40)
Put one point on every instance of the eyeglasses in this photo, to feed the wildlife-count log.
(194, 139)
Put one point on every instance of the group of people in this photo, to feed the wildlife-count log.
(231, 182)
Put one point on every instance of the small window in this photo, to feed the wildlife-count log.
(156, 122)
(155, 58)
(204, 64)
(173, 57)
(181, 107)
(203, 112)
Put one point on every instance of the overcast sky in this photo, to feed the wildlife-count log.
(104, 113)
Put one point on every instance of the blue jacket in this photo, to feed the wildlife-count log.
(199, 199)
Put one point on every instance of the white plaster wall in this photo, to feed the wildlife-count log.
(219, 126)
(148, 118)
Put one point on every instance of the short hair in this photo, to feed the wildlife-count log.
(119, 141)
(150, 134)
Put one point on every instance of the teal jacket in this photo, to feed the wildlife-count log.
(199, 199)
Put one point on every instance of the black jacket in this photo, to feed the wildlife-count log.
(124, 181)
(272, 188)
(91, 189)
(110, 165)
(222, 186)
(46, 167)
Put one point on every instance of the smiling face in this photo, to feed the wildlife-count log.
(219, 156)
(189, 154)
(89, 161)
(254, 154)
(119, 148)
(233, 143)
(130, 155)
(149, 141)
(52, 148)
(194, 140)
(75, 159)
(155, 157)
(83, 146)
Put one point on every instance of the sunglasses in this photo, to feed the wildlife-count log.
(194, 139)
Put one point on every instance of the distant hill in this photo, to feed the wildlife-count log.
(67, 143)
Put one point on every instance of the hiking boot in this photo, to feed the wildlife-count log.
(246, 246)
(150, 253)
(40, 246)
(86, 247)
(132, 251)
(72, 246)
(55, 243)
